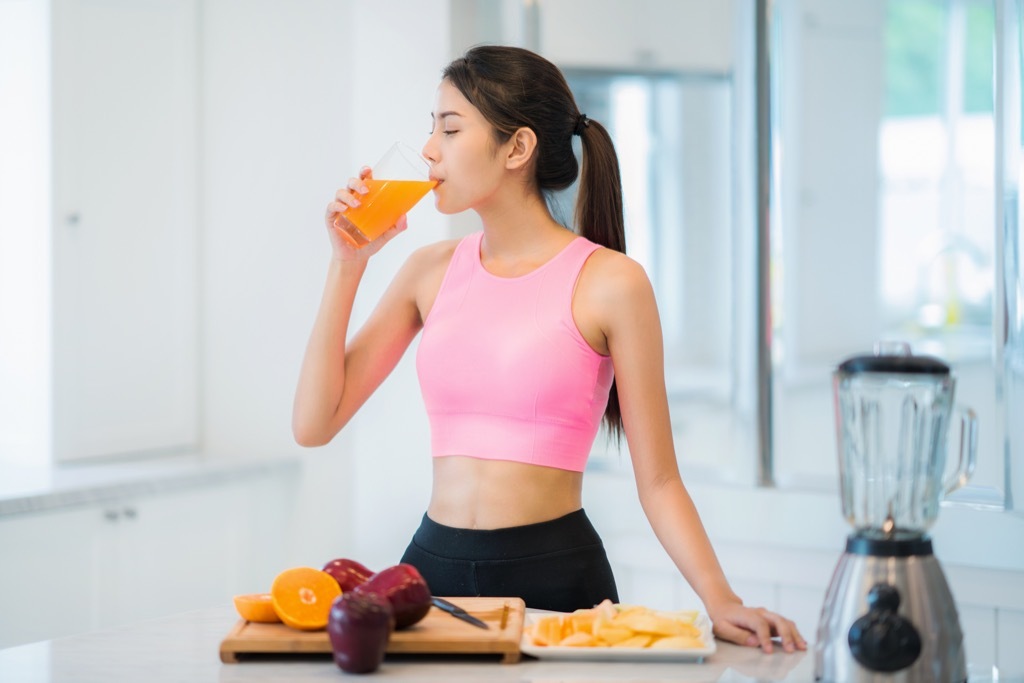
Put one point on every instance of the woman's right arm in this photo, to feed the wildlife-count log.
(338, 374)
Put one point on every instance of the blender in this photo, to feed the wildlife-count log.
(888, 613)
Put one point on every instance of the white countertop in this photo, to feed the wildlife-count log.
(27, 489)
(184, 647)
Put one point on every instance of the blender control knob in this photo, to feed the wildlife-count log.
(882, 640)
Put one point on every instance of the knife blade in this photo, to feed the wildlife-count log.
(458, 612)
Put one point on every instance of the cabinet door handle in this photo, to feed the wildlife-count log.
(130, 513)
(111, 515)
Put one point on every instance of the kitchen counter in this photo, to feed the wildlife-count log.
(184, 647)
(28, 489)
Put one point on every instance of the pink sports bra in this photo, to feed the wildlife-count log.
(504, 371)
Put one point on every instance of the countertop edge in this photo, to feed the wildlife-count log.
(80, 485)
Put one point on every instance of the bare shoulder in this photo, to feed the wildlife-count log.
(427, 262)
(611, 278)
(423, 272)
(613, 297)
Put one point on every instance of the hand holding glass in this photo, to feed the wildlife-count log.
(399, 180)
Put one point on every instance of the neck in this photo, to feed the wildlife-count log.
(518, 225)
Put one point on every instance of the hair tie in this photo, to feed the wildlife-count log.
(581, 122)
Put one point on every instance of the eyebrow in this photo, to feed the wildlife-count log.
(444, 114)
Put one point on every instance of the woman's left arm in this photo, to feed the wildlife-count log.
(622, 300)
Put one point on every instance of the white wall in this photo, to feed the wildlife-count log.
(25, 195)
(276, 127)
(297, 96)
(276, 142)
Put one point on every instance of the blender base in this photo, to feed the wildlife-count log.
(889, 616)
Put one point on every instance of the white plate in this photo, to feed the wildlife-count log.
(621, 654)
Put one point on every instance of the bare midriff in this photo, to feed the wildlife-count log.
(472, 493)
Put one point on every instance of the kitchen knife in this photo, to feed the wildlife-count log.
(457, 611)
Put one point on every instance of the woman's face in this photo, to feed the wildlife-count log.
(463, 154)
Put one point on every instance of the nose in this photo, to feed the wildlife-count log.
(429, 151)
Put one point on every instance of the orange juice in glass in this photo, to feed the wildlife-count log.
(399, 180)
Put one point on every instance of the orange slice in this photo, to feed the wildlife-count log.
(302, 597)
(257, 607)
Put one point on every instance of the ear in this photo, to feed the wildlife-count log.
(520, 148)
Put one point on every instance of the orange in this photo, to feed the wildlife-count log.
(302, 597)
(256, 607)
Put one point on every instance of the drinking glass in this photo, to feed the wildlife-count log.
(399, 180)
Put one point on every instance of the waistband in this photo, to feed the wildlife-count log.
(573, 530)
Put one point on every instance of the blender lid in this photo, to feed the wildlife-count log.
(901, 364)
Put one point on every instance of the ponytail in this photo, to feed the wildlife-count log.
(599, 198)
(600, 218)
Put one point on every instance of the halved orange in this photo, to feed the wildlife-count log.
(257, 607)
(302, 597)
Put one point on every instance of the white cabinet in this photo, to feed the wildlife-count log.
(48, 566)
(125, 208)
(102, 565)
(670, 35)
(166, 553)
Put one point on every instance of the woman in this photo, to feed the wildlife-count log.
(525, 325)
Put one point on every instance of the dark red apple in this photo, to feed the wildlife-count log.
(359, 625)
(348, 573)
(405, 589)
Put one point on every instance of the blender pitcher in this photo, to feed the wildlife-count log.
(892, 419)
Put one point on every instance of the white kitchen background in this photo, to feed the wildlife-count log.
(164, 166)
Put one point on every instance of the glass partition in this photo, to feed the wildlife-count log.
(1009, 318)
(884, 149)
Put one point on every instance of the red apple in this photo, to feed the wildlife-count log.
(359, 625)
(405, 589)
(348, 573)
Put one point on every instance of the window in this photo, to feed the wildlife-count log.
(885, 224)
(936, 153)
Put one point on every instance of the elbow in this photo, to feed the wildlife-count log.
(312, 428)
(308, 440)
(308, 436)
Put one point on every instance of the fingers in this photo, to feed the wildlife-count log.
(763, 631)
(735, 634)
(356, 186)
(348, 196)
(756, 627)
(787, 631)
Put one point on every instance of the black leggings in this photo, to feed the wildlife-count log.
(557, 565)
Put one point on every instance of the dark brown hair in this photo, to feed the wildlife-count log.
(514, 88)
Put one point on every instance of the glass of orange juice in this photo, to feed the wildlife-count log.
(399, 180)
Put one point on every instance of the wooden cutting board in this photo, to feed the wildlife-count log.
(438, 632)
